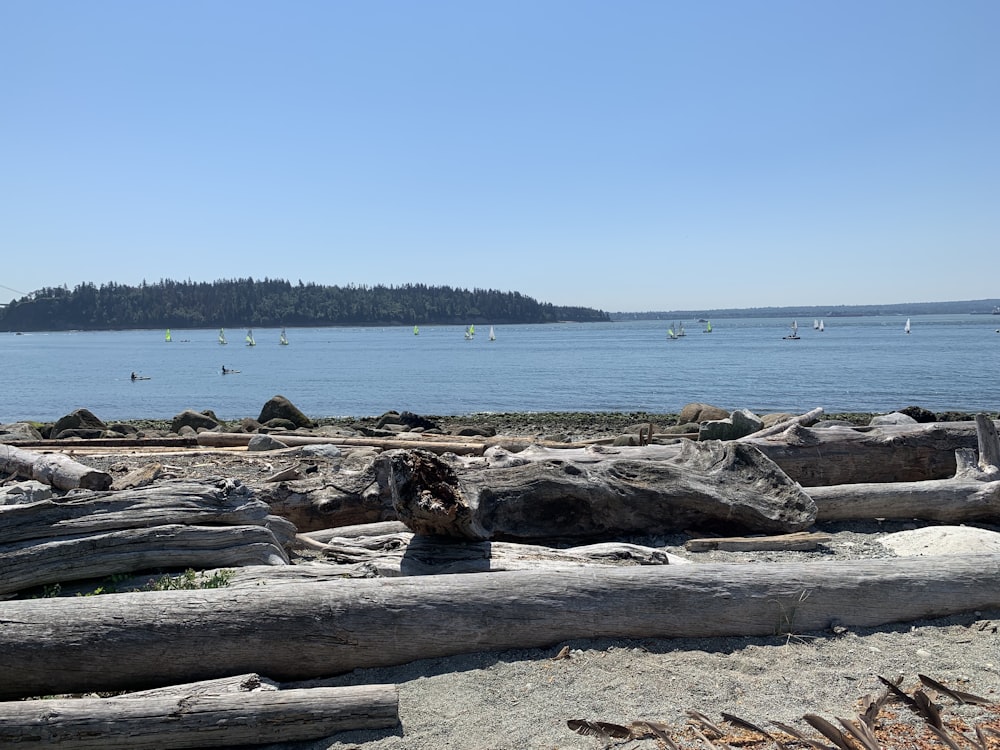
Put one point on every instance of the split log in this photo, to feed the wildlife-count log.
(198, 720)
(215, 502)
(815, 456)
(345, 499)
(729, 485)
(53, 469)
(241, 683)
(56, 560)
(312, 630)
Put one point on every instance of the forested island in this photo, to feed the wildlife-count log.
(272, 303)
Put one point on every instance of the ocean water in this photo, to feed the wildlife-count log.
(855, 364)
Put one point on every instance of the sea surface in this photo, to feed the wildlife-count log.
(948, 362)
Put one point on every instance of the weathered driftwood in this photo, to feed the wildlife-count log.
(799, 541)
(303, 631)
(343, 499)
(54, 469)
(353, 531)
(207, 502)
(819, 456)
(972, 494)
(60, 559)
(408, 554)
(198, 720)
(240, 683)
(810, 417)
(726, 485)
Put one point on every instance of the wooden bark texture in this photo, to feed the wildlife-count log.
(815, 456)
(723, 485)
(197, 720)
(941, 500)
(311, 630)
(54, 469)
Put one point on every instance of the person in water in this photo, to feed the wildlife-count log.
(134, 376)
(224, 370)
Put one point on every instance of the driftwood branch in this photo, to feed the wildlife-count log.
(311, 630)
(197, 719)
(54, 469)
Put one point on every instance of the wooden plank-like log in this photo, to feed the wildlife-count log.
(725, 484)
(54, 469)
(942, 500)
(57, 560)
(197, 720)
(311, 630)
(801, 541)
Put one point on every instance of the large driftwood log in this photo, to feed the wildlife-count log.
(304, 631)
(818, 456)
(54, 469)
(197, 720)
(57, 560)
(725, 485)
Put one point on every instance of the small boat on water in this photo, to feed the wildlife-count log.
(249, 338)
(794, 335)
(416, 331)
(493, 336)
(470, 332)
(906, 327)
(672, 334)
(283, 339)
(222, 336)
(168, 338)
(708, 326)
(821, 326)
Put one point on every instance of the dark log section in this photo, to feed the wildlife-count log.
(302, 631)
(725, 485)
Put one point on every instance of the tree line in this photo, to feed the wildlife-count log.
(273, 302)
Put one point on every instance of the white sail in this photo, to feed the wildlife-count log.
(907, 326)
(222, 336)
(250, 341)
(283, 339)
(493, 336)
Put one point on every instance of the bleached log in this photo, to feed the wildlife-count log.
(197, 720)
(730, 485)
(241, 683)
(353, 531)
(312, 630)
(57, 560)
(804, 420)
(54, 469)
(801, 541)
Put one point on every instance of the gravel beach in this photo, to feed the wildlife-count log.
(524, 698)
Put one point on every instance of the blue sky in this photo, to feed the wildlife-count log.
(626, 155)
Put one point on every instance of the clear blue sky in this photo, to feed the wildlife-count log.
(625, 155)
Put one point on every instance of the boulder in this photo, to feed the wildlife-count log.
(279, 407)
(80, 433)
(194, 420)
(81, 419)
(12, 433)
(474, 431)
(29, 491)
(920, 414)
(265, 443)
(740, 424)
(698, 412)
(407, 419)
(891, 418)
(278, 423)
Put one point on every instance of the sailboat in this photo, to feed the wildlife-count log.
(821, 326)
(250, 341)
(708, 326)
(907, 326)
(222, 336)
(680, 330)
(795, 332)
(493, 336)
(283, 339)
(168, 337)
(816, 324)
(416, 331)
(470, 332)
(671, 333)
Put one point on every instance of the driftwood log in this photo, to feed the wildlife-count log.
(54, 469)
(973, 494)
(818, 456)
(197, 719)
(600, 494)
(311, 630)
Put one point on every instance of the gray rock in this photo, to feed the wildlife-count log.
(81, 419)
(265, 443)
(81, 433)
(278, 423)
(892, 418)
(474, 431)
(279, 407)
(194, 420)
(322, 450)
(19, 431)
(745, 422)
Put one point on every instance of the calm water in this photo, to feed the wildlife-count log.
(856, 364)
